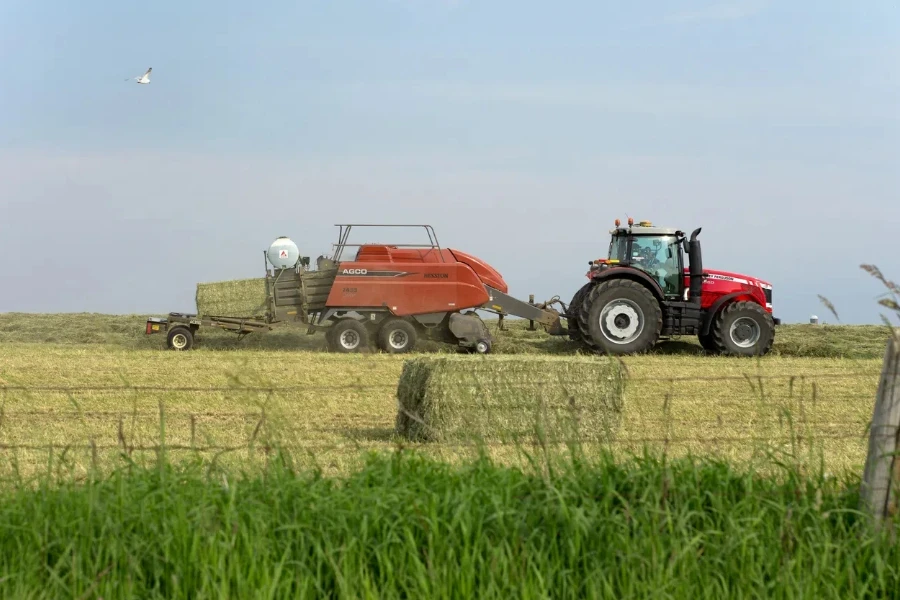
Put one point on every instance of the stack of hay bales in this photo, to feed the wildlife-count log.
(510, 399)
(235, 298)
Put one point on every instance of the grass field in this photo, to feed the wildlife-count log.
(339, 405)
(239, 505)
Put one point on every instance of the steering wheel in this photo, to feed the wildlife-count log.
(649, 257)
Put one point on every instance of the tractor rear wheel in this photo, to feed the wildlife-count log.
(621, 317)
(575, 332)
(348, 336)
(744, 329)
(397, 336)
(708, 343)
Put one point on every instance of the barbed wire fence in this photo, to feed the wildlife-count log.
(84, 427)
(670, 411)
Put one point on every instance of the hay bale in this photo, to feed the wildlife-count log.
(235, 298)
(510, 398)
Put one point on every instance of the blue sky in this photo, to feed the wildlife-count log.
(520, 130)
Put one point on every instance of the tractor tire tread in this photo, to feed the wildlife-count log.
(575, 332)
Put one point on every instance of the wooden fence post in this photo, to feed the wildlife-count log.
(882, 473)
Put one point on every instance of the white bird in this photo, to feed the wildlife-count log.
(145, 78)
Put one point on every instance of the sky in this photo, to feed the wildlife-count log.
(520, 130)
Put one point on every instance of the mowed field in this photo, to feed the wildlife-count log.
(92, 385)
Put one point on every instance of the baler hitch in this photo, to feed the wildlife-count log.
(504, 304)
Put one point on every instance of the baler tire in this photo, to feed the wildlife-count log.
(575, 332)
(634, 294)
(329, 338)
(180, 339)
(731, 314)
(344, 326)
(389, 328)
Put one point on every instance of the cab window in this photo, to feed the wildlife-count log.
(658, 257)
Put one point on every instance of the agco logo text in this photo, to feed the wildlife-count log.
(354, 272)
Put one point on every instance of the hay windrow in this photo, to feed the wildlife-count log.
(469, 399)
(234, 298)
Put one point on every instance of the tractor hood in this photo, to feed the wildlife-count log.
(735, 277)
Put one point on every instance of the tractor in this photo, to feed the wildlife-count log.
(643, 292)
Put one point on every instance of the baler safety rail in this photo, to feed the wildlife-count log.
(504, 304)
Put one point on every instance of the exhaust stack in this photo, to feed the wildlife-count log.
(696, 267)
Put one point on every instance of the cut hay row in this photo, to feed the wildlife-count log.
(233, 298)
(469, 399)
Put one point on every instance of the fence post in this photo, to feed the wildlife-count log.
(882, 472)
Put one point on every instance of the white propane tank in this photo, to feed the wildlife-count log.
(813, 320)
(283, 253)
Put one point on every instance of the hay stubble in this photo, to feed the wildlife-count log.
(340, 406)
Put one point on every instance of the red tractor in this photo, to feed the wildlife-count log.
(643, 292)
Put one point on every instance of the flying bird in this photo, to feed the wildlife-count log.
(145, 78)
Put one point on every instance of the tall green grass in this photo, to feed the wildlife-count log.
(407, 527)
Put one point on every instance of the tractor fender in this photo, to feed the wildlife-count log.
(710, 315)
(633, 274)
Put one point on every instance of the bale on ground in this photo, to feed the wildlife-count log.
(235, 298)
(500, 398)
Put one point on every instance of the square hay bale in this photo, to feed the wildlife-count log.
(235, 298)
(510, 398)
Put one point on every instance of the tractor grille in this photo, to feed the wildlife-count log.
(768, 293)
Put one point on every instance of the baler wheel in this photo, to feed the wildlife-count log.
(622, 317)
(329, 337)
(744, 329)
(348, 336)
(180, 338)
(482, 347)
(397, 336)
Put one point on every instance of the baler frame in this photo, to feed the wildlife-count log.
(344, 235)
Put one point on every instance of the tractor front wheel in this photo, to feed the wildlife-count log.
(744, 329)
(622, 317)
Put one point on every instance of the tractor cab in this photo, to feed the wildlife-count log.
(657, 251)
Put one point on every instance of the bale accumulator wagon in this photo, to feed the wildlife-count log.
(642, 292)
(387, 295)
